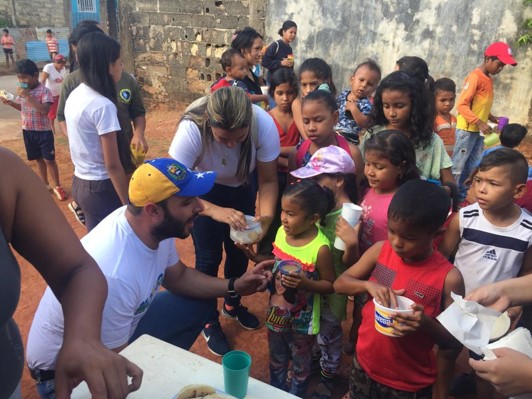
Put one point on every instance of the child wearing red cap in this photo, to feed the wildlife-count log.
(52, 77)
(474, 106)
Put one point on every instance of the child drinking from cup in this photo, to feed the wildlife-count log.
(408, 265)
(354, 105)
(333, 168)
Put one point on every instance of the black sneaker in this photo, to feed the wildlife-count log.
(246, 319)
(216, 340)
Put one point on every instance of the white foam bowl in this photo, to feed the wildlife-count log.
(500, 327)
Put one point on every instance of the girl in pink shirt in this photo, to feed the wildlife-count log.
(390, 161)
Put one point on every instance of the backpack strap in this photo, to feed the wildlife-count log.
(343, 143)
(301, 151)
(305, 145)
(276, 48)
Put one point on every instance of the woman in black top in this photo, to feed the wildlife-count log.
(279, 54)
(249, 42)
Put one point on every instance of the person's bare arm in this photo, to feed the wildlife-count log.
(451, 239)
(44, 76)
(510, 373)
(446, 176)
(298, 119)
(268, 192)
(353, 280)
(503, 294)
(359, 117)
(257, 98)
(283, 156)
(233, 217)
(63, 127)
(190, 282)
(356, 155)
(43, 236)
(139, 127)
(327, 275)
(292, 164)
(114, 166)
(11, 103)
(349, 235)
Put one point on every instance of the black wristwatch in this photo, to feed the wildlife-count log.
(231, 288)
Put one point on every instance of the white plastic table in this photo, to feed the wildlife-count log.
(168, 368)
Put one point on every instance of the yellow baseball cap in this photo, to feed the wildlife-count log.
(159, 179)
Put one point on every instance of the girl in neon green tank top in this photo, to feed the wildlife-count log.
(292, 326)
(333, 167)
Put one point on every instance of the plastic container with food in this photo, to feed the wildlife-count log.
(250, 234)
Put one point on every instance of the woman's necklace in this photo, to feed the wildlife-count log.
(225, 156)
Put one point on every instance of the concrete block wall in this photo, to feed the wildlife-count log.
(450, 35)
(174, 46)
(35, 13)
(5, 11)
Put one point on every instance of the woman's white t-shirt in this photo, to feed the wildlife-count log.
(186, 148)
(89, 115)
(54, 79)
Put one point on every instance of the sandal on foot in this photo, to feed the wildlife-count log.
(77, 211)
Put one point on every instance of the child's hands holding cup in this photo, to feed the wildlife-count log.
(385, 296)
(294, 280)
(347, 233)
(407, 323)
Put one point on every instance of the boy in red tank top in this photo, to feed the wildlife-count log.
(403, 365)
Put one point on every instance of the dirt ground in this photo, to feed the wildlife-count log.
(161, 126)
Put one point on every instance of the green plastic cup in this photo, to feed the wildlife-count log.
(236, 365)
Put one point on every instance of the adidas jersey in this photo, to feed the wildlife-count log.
(489, 253)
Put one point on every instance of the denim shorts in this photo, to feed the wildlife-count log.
(46, 389)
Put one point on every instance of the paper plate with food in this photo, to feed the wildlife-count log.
(201, 391)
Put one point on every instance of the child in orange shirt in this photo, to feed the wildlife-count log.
(474, 106)
(445, 122)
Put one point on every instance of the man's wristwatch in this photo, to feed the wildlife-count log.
(231, 288)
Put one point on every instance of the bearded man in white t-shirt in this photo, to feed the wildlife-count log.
(135, 248)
